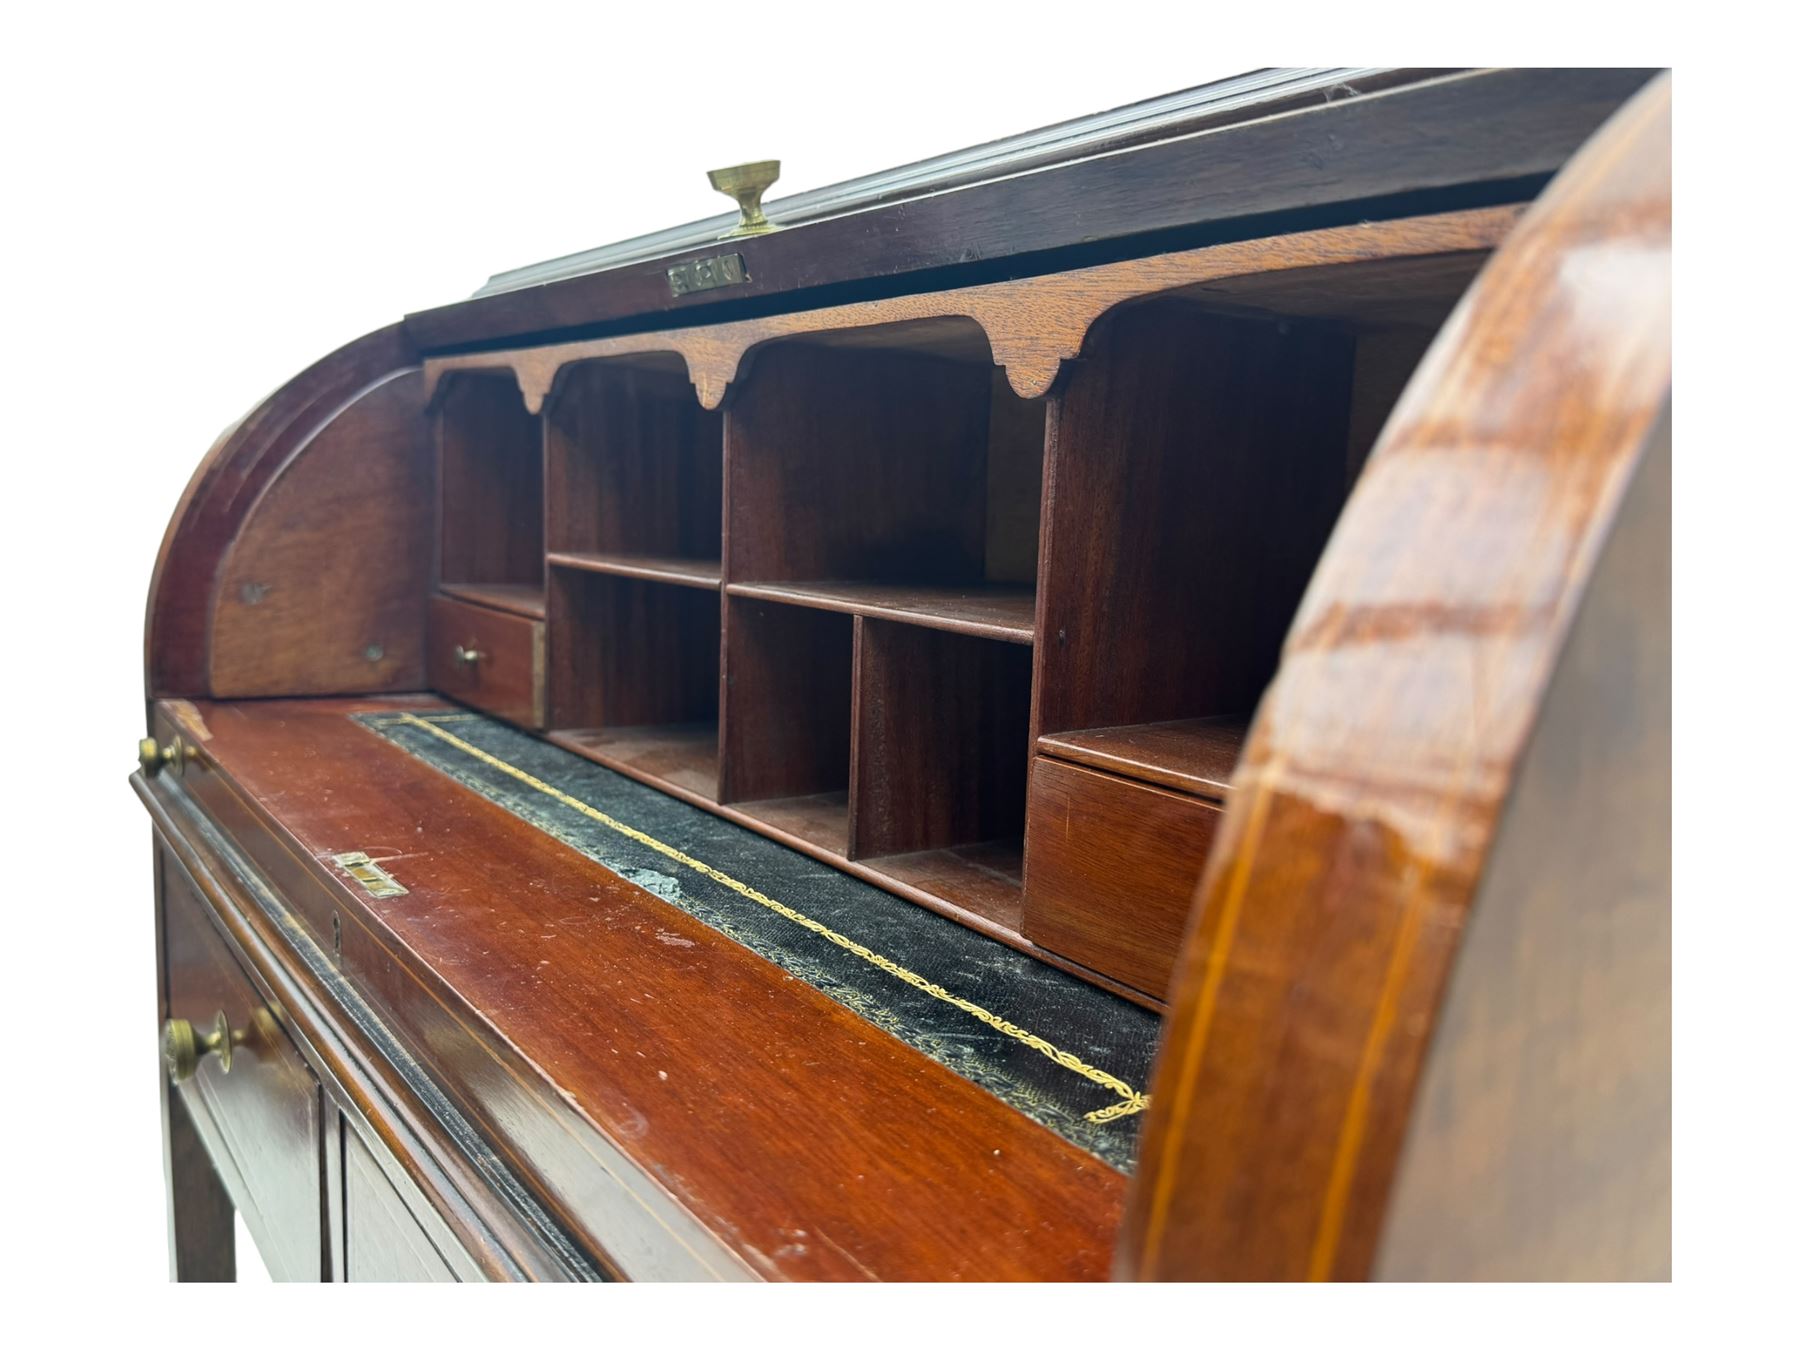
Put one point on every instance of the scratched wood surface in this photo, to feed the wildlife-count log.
(1361, 818)
(688, 1107)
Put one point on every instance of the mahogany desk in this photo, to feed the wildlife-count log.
(1094, 707)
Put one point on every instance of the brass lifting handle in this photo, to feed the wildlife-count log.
(183, 1048)
(745, 185)
(464, 656)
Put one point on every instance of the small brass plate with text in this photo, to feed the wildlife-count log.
(370, 875)
(707, 274)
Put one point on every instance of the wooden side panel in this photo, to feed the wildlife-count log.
(241, 465)
(1369, 795)
(1540, 1145)
(1112, 867)
(323, 589)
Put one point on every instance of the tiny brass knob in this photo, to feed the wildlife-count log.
(154, 758)
(183, 1048)
(466, 656)
(745, 184)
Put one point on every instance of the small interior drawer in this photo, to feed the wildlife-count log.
(1111, 868)
(260, 1117)
(489, 658)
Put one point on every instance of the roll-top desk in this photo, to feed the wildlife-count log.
(1097, 707)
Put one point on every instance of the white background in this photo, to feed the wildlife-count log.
(199, 201)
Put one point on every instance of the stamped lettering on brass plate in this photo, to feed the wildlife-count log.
(371, 875)
(707, 274)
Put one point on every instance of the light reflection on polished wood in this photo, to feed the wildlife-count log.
(1332, 905)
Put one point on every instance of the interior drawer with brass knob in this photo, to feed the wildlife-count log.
(253, 1098)
(488, 658)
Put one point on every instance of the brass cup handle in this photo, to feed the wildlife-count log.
(183, 1048)
(154, 758)
(464, 656)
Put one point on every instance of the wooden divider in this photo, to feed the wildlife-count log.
(853, 609)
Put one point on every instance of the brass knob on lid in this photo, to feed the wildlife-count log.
(745, 184)
(183, 1048)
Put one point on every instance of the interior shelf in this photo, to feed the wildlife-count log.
(984, 879)
(823, 613)
(1196, 755)
(634, 676)
(821, 819)
(993, 610)
(683, 754)
(515, 597)
(676, 571)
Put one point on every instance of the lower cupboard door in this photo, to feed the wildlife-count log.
(383, 1242)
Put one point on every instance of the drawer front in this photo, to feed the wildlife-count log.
(492, 660)
(261, 1117)
(1111, 868)
(383, 1242)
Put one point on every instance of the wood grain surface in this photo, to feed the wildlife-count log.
(1491, 135)
(663, 1084)
(1333, 908)
(1032, 326)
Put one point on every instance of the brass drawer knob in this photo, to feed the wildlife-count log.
(464, 656)
(745, 184)
(154, 758)
(183, 1048)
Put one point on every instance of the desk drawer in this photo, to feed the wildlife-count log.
(487, 658)
(1111, 868)
(383, 1240)
(261, 1117)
